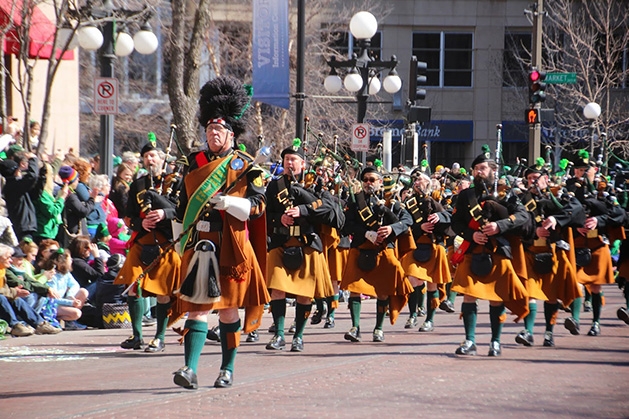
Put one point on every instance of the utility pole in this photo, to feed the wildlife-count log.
(535, 130)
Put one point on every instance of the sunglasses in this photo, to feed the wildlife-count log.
(370, 179)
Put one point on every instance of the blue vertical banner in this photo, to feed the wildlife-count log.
(271, 75)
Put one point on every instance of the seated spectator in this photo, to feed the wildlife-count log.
(88, 266)
(46, 248)
(106, 291)
(119, 236)
(71, 296)
(22, 319)
(30, 250)
(16, 276)
(103, 238)
(7, 234)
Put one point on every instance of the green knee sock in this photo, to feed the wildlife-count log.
(161, 313)
(278, 310)
(529, 320)
(469, 320)
(451, 294)
(381, 310)
(332, 301)
(495, 312)
(136, 311)
(228, 353)
(430, 310)
(412, 303)
(550, 315)
(193, 342)
(354, 310)
(420, 294)
(302, 312)
(597, 305)
(319, 304)
(575, 308)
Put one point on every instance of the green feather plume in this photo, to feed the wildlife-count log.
(297, 142)
(583, 154)
(540, 162)
(377, 163)
(242, 147)
(563, 164)
(485, 149)
(463, 171)
(152, 139)
(424, 163)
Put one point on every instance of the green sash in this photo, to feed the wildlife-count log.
(212, 184)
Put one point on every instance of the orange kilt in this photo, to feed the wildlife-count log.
(337, 259)
(312, 280)
(535, 282)
(163, 279)
(435, 270)
(600, 271)
(387, 278)
(501, 284)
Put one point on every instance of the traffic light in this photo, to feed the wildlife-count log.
(416, 79)
(537, 87)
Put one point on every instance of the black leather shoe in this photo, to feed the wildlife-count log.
(353, 335)
(225, 379)
(548, 339)
(447, 306)
(623, 314)
(272, 328)
(316, 317)
(467, 347)
(155, 345)
(595, 330)
(186, 378)
(253, 336)
(132, 342)
(297, 345)
(329, 323)
(494, 349)
(292, 328)
(572, 325)
(214, 334)
(277, 343)
(524, 338)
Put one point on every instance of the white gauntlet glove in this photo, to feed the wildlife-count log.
(372, 236)
(234, 206)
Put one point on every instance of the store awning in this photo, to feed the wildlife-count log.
(41, 32)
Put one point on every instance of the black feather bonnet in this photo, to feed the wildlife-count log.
(226, 98)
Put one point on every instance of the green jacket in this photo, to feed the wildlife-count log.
(28, 283)
(48, 210)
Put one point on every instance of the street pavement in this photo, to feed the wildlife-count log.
(411, 374)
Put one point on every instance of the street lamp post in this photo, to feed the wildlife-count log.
(362, 78)
(110, 46)
(592, 111)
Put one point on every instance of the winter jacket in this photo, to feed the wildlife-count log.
(48, 210)
(19, 202)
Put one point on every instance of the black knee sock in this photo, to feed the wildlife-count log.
(468, 310)
(136, 312)
(278, 310)
(381, 310)
(550, 315)
(597, 305)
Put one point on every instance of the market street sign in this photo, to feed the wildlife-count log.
(561, 78)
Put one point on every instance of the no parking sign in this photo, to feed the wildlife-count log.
(106, 96)
(360, 137)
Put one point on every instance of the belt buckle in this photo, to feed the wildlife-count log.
(282, 196)
(294, 231)
(363, 216)
(476, 212)
(592, 234)
(203, 226)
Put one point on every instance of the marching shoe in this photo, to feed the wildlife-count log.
(427, 326)
(572, 325)
(595, 330)
(329, 323)
(214, 334)
(155, 345)
(524, 338)
(225, 379)
(292, 328)
(132, 342)
(277, 343)
(316, 317)
(353, 335)
(186, 378)
(253, 336)
(421, 312)
(623, 314)
(297, 345)
(447, 306)
(378, 335)
(272, 328)
(411, 323)
(494, 349)
(587, 306)
(467, 347)
(548, 339)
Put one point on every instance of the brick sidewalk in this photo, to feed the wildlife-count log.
(411, 374)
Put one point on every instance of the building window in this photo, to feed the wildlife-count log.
(516, 59)
(448, 55)
(447, 152)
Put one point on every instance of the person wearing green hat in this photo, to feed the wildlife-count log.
(550, 275)
(603, 225)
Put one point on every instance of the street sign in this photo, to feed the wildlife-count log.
(360, 137)
(561, 78)
(106, 96)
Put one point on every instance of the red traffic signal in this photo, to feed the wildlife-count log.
(537, 86)
(532, 116)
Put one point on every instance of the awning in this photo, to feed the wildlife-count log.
(41, 32)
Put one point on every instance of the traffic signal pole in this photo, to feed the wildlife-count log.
(535, 130)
